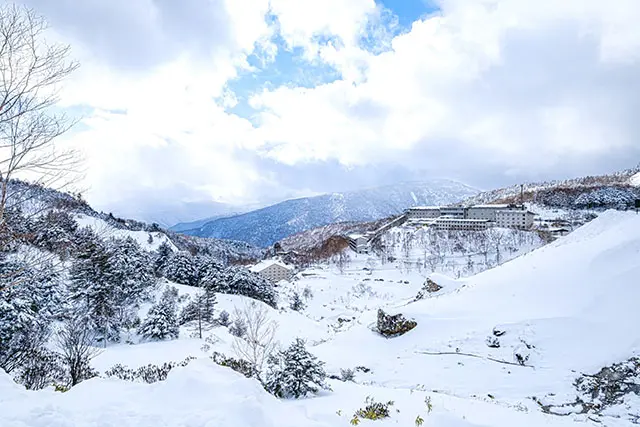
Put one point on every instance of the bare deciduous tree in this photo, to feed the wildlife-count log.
(75, 344)
(31, 71)
(260, 339)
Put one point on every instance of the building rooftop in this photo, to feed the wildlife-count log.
(425, 208)
(516, 211)
(257, 268)
(501, 206)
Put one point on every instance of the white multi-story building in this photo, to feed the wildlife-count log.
(485, 211)
(454, 212)
(461, 224)
(359, 243)
(273, 270)
(514, 218)
(507, 216)
(423, 212)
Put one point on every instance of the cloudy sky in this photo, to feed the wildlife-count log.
(250, 101)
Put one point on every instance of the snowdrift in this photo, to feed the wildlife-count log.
(199, 395)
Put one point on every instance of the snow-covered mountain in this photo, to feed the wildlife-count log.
(266, 226)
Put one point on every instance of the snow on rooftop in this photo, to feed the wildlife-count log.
(424, 208)
(268, 263)
(635, 180)
(500, 206)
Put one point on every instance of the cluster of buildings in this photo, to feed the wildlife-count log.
(472, 218)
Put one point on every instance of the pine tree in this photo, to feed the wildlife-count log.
(296, 302)
(24, 321)
(130, 270)
(161, 321)
(241, 281)
(162, 256)
(200, 310)
(295, 372)
(92, 291)
(180, 268)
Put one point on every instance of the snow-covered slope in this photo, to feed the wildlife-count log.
(635, 180)
(200, 395)
(571, 301)
(265, 226)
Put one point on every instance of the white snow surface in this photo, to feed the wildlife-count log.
(635, 180)
(199, 395)
(573, 301)
(104, 230)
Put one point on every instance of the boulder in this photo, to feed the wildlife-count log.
(431, 286)
(393, 325)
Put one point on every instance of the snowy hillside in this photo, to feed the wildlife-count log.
(613, 191)
(265, 226)
(500, 348)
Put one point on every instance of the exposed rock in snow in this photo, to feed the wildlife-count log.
(394, 325)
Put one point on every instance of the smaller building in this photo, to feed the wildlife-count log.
(515, 218)
(359, 243)
(273, 270)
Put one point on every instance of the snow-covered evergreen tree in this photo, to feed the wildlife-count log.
(130, 269)
(241, 281)
(161, 258)
(295, 372)
(296, 302)
(92, 291)
(161, 321)
(181, 268)
(24, 321)
(210, 273)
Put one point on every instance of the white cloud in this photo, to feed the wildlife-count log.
(480, 88)
(525, 83)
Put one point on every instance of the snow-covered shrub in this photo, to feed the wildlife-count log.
(238, 365)
(347, 375)
(373, 410)
(238, 327)
(492, 342)
(307, 293)
(521, 354)
(42, 369)
(161, 321)
(295, 372)
(223, 319)
(147, 374)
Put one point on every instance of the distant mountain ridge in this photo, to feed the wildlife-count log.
(265, 226)
(616, 190)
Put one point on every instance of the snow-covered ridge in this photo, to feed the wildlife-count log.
(614, 190)
(263, 227)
